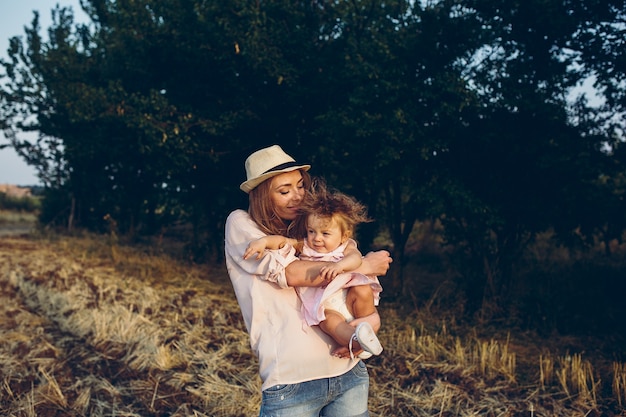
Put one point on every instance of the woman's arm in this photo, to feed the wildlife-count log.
(375, 263)
(240, 230)
(307, 273)
(271, 242)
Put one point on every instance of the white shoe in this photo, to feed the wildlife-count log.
(364, 355)
(365, 335)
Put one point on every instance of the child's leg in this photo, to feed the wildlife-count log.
(336, 326)
(360, 301)
(345, 305)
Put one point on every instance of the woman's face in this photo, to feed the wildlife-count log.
(287, 192)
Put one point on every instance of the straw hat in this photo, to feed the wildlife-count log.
(267, 163)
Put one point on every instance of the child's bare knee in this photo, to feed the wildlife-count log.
(361, 292)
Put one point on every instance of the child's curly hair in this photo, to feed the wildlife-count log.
(326, 203)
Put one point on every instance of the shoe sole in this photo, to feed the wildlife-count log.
(366, 337)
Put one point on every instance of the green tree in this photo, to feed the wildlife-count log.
(153, 101)
(398, 100)
(523, 165)
(449, 110)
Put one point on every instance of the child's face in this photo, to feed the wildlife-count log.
(323, 234)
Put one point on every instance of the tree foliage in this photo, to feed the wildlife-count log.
(450, 110)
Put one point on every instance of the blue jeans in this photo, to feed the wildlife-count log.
(341, 396)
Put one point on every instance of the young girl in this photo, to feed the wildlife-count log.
(331, 218)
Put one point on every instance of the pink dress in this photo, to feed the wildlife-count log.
(315, 299)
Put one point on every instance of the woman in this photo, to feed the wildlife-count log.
(300, 376)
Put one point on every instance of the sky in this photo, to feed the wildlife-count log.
(14, 16)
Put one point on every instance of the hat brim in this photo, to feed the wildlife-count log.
(251, 184)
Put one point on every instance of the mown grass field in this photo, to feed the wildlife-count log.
(92, 328)
(15, 222)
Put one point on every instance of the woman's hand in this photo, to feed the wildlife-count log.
(307, 273)
(376, 263)
(255, 247)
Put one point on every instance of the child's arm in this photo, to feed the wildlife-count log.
(352, 259)
(271, 242)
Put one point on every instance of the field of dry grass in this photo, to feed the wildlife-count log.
(13, 223)
(91, 328)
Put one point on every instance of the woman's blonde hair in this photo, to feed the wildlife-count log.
(262, 210)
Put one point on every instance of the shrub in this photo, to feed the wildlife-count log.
(25, 204)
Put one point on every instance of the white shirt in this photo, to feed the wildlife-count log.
(289, 352)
